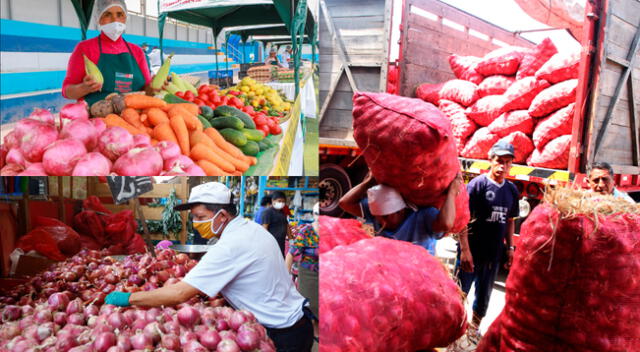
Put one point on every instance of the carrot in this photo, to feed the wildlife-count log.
(209, 168)
(157, 116)
(149, 130)
(112, 120)
(201, 152)
(200, 137)
(192, 108)
(180, 129)
(189, 119)
(252, 160)
(222, 143)
(164, 132)
(131, 116)
(141, 101)
(236, 173)
(154, 141)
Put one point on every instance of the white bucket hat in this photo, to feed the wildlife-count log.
(385, 200)
(207, 193)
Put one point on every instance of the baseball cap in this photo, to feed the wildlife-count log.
(502, 148)
(207, 193)
(384, 200)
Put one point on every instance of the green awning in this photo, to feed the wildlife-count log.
(83, 8)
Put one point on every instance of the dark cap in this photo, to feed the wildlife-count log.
(502, 148)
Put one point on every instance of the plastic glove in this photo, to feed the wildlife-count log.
(117, 298)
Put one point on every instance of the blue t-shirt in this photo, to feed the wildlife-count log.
(491, 205)
(258, 217)
(416, 227)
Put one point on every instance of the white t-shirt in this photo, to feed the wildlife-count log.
(285, 59)
(154, 58)
(246, 266)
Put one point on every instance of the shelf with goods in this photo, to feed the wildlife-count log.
(306, 187)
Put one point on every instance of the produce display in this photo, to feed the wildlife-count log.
(395, 132)
(573, 286)
(500, 90)
(371, 301)
(260, 97)
(63, 310)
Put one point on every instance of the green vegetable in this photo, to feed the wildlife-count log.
(205, 122)
(264, 145)
(158, 80)
(251, 148)
(253, 135)
(234, 137)
(227, 122)
(173, 99)
(225, 110)
(206, 111)
(171, 220)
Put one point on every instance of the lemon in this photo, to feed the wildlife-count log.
(245, 89)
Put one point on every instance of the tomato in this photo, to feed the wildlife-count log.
(224, 101)
(188, 95)
(213, 95)
(264, 128)
(205, 88)
(198, 101)
(260, 119)
(237, 102)
(275, 129)
(211, 105)
(248, 109)
(216, 100)
(203, 97)
(234, 92)
(180, 94)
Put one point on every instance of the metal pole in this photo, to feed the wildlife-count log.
(242, 196)
(215, 48)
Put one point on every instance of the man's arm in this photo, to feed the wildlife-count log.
(165, 296)
(350, 202)
(288, 261)
(466, 259)
(511, 227)
(447, 216)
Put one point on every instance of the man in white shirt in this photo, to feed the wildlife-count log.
(601, 181)
(286, 56)
(154, 59)
(245, 266)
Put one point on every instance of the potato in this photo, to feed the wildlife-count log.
(101, 108)
(118, 104)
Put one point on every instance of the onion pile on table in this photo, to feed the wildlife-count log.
(63, 310)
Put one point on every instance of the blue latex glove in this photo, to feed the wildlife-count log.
(118, 298)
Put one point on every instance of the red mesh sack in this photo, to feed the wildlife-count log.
(557, 124)
(464, 67)
(573, 284)
(535, 58)
(553, 98)
(394, 132)
(486, 109)
(67, 240)
(339, 232)
(90, 224)
(121, 227)
(512, 121)
(136, 245)
(560, 67)
(522, 92)
(480, 143)
(502, 61)
(522, 146)
(494, 85)
(89, 243)
(372, 301)
(554, 155)
(462, 92)
(40, 240)
(491, 339)
(429, 92)
(461, 126)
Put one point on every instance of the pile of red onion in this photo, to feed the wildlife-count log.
(62, 310)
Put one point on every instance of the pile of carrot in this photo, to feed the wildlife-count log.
(179, 123)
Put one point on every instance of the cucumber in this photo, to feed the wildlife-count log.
(205, 122)
(227, 122)
(251, 148)
(174, 99)
(206, 111)
(234, 137)
(264, 145)
(225, 110)
(253, 135)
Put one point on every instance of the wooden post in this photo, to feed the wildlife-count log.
(61, 210)
(184, 196)
(147, 238)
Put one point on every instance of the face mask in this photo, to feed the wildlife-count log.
(113, 30)
(205, 227)
(278, 205)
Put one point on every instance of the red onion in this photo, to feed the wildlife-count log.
(168, 314)
(171, 281)
(170, 342)
(116, 320)
(248, 339)
(190, 264)
(141, 341)
(128, 316)
(42, 115)
(26, 310)
(227, 345)
(45, 330)
(82, 130)
(163, 276)
(65, 342)
(60, 318)
(210, 339)
(139, 324)
(195, 346)
(180, 270)
(181, 258)
(26, 321)
(75, 306)
(152, 314)
(58, 301)
(111, 278)
(187, 336)
(115, 141)
(136, 280)
(236, 320)
(10, 313)
(92, 321)
(188, 316)
(149, 286)
(124, 341)
(153, 331)
(172, 327)
(104, 340)
(60, 157)
(267, 346)
(21, 346)
(228, 334)
(81, 349)
(75, 111)
(76, 318)
(9, 331)
(91, 310)
(116, 349)
(43, 316)
(221, 325)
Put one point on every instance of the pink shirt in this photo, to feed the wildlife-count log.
(89, 47)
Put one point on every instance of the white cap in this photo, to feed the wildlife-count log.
(208, 193)
(384, 200)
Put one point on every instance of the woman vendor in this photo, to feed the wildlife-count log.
(122, 64)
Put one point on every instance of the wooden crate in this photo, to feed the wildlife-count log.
(160, 190)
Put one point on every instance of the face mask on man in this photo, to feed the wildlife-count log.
(113, 30)
(205, 227)
(278, 205)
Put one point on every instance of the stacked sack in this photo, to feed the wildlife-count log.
(525, 96)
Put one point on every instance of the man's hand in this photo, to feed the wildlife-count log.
(369, 179)
(454, 186)
(117, 298)
(89, 85)
(466, 261)
(151, 92)
(507, 265)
